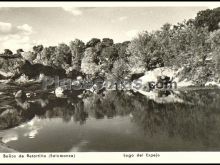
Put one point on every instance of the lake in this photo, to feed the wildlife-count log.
(182, 120)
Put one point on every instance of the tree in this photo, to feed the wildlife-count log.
(107, 42)
(93, 42)
(77, 48)
(38, 48)
(19, 51)
(122, 49)
(142, 49)
(88, 65)
(164, 50)
(63, 56)
(37, 51)
(8, 52)
(48, 55)
(30, 56)
(120, 69)
(107, 57)
(119, 72)
(189, 45)
(215, 43)
(209, 18)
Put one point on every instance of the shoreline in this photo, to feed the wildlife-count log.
(5, 149)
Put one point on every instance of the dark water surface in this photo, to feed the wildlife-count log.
(185, 120)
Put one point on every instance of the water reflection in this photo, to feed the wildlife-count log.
(194, 120)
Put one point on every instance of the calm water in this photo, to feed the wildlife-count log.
(186, 120)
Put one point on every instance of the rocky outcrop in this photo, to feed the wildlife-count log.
(136, 76)
(12, 67)
(20, 94)
(34, 70)
(9, 66)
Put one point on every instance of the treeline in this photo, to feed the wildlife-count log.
(193, 45)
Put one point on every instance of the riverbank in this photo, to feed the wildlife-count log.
(6, 149)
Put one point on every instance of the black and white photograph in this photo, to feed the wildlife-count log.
(90, 78)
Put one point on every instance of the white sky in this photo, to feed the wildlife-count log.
(22, 27)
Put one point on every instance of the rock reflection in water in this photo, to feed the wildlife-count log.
(47, 106)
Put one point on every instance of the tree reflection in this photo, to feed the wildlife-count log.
(197, 118)
(197, 121)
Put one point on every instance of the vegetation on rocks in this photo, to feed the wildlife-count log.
(192, 45)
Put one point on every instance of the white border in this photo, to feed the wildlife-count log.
(116, 157)
(110, 4)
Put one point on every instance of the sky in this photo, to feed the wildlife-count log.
(23, 27)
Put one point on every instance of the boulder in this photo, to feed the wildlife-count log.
(20, 94)
(34, 71)
(136, 76)
(60, 92)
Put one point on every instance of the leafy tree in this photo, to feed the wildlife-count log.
(63, 56)
(108, 56)
(122, 49)
(8, 52)
(93, 42)
(88, 65)
(37, 51)
(19, 51)
(38, 48)
(209, 18)
(107, 42)
(77, 48)
(48, 55)
(30, 56)
(119, 71)
(143, 48)
(164, 50)
(189, 45)
(215, 42)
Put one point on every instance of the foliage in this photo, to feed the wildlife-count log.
(63, 56)
(142, 49)
(122, 49)
(107, 42)
(193, 45)
(215, 43)
(48, 55)
(119, 71)
(8, 52)
(37, 51)
(30, 56)
(93, 42)
(77, 48)
(208, 18)
(89, 66)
